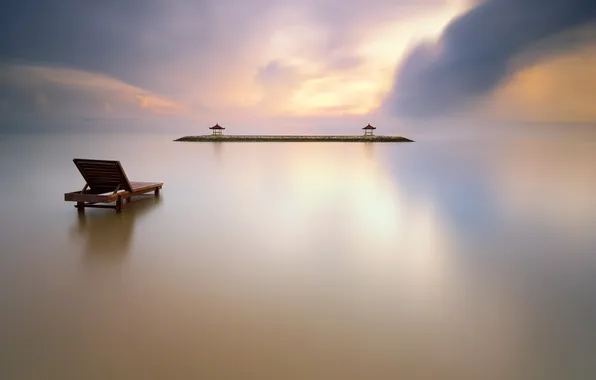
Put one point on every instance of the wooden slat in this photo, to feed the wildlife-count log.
(111, 184)
(110, 170)
(98, 178)
(78, 197)
(103, 190)
(102, 175)
(96, 206)
(102, 172)
(99, 181)
(139, 186)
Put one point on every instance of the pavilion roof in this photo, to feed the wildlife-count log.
(369, 127)
(217, 126)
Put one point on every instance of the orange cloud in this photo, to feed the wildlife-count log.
(158, 105)
(560, 90)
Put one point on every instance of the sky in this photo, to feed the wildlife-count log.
(291, 65)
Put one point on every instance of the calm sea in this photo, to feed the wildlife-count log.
(432, 260)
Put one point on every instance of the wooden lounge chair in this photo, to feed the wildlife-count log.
(107, 183)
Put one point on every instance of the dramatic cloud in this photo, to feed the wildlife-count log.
(51, 93)
(220, 56)
(476, 52)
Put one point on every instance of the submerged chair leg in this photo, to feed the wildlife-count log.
(80, 206)
(119, 204)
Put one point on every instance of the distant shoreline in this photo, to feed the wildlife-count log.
(297, 138)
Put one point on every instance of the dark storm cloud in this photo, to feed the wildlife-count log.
(108, 36)
(475, 52)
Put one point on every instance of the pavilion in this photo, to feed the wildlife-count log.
(369, 130)
(217, 130)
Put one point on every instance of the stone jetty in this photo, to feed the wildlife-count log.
(291, 138)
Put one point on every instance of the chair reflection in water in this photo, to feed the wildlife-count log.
(108, 236)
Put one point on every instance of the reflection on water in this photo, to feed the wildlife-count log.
(369, 150)
(107, 235)
(302, 261)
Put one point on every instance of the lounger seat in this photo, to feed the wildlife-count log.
(106, 183)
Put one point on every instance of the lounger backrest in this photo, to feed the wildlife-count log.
(103, 176)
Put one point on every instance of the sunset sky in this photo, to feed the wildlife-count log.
(69, 62)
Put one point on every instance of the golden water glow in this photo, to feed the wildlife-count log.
(407, 235)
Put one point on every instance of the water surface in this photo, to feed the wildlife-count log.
(442, 259)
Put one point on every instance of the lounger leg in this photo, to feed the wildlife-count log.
(119, 204)
(157, 191)
(80, 206)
